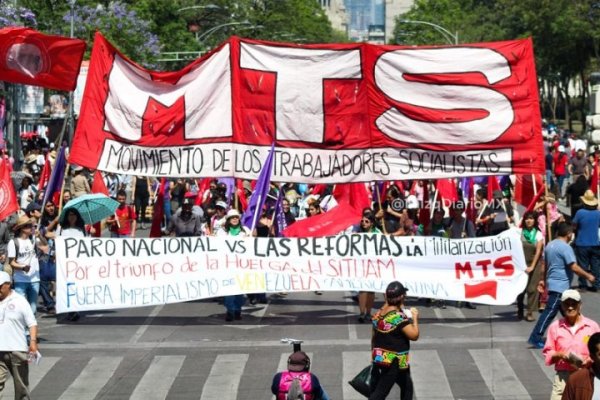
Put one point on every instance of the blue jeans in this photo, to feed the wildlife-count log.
(546, 317)
(234, 303)
(29, 290)
(560, 180)
(167, 211)
(588, 258)
(49, 302)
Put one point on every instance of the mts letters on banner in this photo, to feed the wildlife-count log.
(96, 274)
(336, 113)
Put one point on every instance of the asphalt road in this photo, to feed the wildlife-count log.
(186, 351)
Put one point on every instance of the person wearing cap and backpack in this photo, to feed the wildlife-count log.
(393, 330)
(22, 258)
(297, 382)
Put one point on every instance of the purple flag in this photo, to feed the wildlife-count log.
(261, 190)
(230, 183)
(464, 187)
(57, 175)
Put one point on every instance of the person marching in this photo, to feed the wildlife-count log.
(298, 369)
(566, 343)
(559, 265)
(16, 317)
(393, 330)
(124, 222)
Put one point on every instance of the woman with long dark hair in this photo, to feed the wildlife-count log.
(393, 329)
(72, 225)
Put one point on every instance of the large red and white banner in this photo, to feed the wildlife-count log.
(336, 113)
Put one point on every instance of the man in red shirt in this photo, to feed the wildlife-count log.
(560, 168)
(123, 223)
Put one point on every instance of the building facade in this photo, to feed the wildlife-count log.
(393, 8)
(336, 12)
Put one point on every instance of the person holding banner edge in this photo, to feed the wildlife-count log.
(233, 227)
(558, 268)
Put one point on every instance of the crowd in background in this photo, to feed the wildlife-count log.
(567, 211)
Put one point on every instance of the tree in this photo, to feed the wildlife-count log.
(16, 16)
(563, 35)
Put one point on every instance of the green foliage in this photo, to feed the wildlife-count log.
(139, 28)
(16, 16)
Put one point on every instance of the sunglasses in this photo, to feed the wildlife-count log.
(366, 220)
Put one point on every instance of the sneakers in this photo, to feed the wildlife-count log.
(362, 318)
(529, 317)
(228, 317)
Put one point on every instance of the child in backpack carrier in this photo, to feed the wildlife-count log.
(298, 383)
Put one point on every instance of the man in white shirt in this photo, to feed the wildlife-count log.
(15, 317)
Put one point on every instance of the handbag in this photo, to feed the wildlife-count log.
(362, 382)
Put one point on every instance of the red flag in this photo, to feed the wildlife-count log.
(32, 58)
(446, 191)
(158, 211)
(98, 186)
(8, 196)
(413, 187)
(526, 187)
(241, 194)
(425, 211)
(319, 189)
(471, 212)
(492, 186)
(594, 181)
(45, 175)
(329, 223)
(202, 188)
(353, 193)
(533, 201)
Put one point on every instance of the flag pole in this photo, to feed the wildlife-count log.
(435, 196)
(380, 207)
(62, 188)
(547, 213)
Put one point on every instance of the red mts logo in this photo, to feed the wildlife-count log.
(500, 267)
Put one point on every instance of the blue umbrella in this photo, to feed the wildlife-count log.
(92, 207)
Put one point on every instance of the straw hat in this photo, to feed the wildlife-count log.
(550, 197)
(232, 213)
(22, 221)
(589, 199)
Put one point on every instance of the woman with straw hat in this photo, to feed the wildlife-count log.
(234, 227)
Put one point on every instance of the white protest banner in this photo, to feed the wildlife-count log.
(96, 274)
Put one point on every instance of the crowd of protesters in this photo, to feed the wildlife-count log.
(556, 244)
